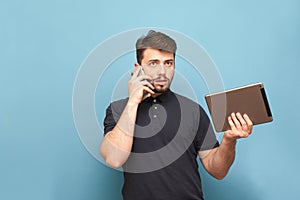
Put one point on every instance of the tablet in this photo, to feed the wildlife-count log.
(250, 99)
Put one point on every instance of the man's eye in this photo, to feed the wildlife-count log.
(152, 64)
(169, 63)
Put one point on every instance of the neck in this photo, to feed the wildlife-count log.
(156, 95)
(159, 93)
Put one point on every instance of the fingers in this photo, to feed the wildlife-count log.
(145, 88)
(139, 75)
(236, 121)
(243, 123)
(139, 78)
(232, 130)
(249, 122)
(139, 87)
(140, 83)
(148, 84)
(136, 72)
(241, 126)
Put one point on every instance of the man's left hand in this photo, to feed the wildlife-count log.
(241, 127)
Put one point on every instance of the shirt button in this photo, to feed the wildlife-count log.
(154, 100)
(155, 107)
(154, 116)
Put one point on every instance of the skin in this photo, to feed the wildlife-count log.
(159, 66)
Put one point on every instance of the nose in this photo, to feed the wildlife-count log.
(161, 70)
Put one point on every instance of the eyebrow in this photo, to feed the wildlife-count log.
(157, 60)
(154, 60)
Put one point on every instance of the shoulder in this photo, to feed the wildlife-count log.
(193, 109)
(121, 102)
(187, 102)
(118, 106)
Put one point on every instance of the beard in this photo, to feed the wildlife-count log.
(161, 84)
(161, 89)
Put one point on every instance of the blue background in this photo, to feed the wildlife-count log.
(43, 43)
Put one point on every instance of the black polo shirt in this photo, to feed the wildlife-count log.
(169, 132)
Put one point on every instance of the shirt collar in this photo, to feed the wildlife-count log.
(161, 98)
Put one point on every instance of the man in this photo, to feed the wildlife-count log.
(151, 118)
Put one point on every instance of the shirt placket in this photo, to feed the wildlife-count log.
(155, 116)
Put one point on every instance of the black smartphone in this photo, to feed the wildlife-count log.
(141, 72)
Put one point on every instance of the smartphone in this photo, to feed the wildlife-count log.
(141, 72)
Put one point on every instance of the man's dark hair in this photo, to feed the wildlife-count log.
(154, 40)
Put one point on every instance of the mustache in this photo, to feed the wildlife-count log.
(160, 78)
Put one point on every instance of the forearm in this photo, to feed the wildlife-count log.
(117, 144)
(219, 160)
(223, 157)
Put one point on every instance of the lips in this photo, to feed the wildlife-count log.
(160, 79)
(160, 82)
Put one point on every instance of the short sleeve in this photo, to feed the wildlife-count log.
(109, 121)
(205, 138)
(113, 113)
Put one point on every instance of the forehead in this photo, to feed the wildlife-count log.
(155, 54)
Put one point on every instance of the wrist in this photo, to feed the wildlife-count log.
(228, 139)
(132, 103)
(131, 109)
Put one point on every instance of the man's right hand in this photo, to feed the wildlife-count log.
(138, 86)
(117, 144)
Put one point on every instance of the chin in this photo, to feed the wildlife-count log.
(161, 89)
